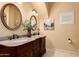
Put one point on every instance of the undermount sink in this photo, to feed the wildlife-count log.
(14, 42)
(17, 40)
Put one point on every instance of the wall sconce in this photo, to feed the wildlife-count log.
(49, 24)
(34, 12)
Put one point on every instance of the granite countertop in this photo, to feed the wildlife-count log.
(19, 41)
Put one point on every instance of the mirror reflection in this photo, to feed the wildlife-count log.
(33, 22)
(11, 16)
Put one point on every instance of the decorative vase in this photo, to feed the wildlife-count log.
(29, 33)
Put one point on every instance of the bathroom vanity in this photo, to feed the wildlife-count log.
(19, 46)
(23, 47)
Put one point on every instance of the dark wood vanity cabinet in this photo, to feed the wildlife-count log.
(25, 50)
(34, 48)
(7, 51)
(42, 46)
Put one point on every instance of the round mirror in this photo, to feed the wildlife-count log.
(11, 16)
(33, 22)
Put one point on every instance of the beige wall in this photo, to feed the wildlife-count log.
(40, 7)
(58, 38)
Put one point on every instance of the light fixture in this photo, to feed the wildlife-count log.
(34, 12)
(20, 2)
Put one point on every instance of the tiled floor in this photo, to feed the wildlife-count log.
(60, 53)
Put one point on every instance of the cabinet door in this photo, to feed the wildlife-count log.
(36, 48)
(25, 50)
(42, 46)
(6, 51)
(39, 47)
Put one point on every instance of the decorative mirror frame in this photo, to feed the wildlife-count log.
(3, 20)
(36, 21)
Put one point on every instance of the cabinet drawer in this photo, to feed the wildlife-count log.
(6, 51)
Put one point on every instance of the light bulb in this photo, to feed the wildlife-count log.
(20, 2)
(33, 12)
(36, 14)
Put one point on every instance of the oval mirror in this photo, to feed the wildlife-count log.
(33, 22)
(11, 16)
